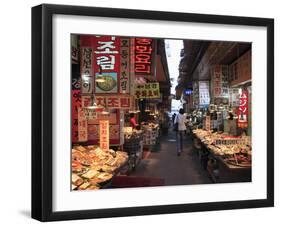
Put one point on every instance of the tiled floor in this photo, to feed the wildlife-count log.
(176, 170)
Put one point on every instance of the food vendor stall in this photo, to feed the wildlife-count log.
(93, 168)
(226, 158)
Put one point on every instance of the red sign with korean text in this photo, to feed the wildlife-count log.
(220, 81)
(106, 61)
(76, 104)
(144, 57)
(114, 122)
(115, 102)
(242, 111)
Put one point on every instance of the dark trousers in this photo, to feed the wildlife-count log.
(179, 135)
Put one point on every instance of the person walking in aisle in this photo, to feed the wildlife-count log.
(179, 123)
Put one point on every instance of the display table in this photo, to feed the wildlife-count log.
(220, 171)
(93, 168)
(228, 172)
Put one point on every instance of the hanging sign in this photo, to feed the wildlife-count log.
(195, 92)
(144, 57)
(132, 66)
(86, 70)
(242, 111)
(90, 114)
(107, 63)
(204, 97)
(216, 79)
(82, 126)
(220, 81)
(104, 134)
(147, 91)
(125, 66)
(76, 104)
(115, 102)
(224, 82)
(234, 97)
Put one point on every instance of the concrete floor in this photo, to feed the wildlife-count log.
(176, 170)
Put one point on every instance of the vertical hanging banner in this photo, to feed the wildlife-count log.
(82, 126)
(219, 84)
(234, 97)
(106, 63)
(76, 104)
(243, 110)
(216, 81)
(195, 97)
(219, 79)
(104, 134)
(132, 69)
(86, 65)
(224, 82)
(204, 97)
(144, 57)
(125, 66)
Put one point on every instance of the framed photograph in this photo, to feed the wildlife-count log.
(146, 112)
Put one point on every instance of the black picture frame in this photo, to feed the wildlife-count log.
(42, 111)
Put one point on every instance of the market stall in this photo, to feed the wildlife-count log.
(93, 168)
(227, 158)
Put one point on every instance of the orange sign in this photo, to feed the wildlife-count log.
(82, 126)
(104, 134)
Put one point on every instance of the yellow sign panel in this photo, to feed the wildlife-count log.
(147, 91)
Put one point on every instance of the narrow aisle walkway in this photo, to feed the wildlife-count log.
(175, 170)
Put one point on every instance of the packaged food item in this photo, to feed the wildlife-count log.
(76, 180)
(90, 174)
(94, 166)
(84, 186)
